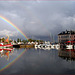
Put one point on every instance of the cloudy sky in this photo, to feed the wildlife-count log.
(37, 19)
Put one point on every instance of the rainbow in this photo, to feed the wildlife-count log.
(13, 61)
(14, 26)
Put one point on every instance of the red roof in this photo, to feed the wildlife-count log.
(70, 42)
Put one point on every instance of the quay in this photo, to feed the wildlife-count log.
(23, 46)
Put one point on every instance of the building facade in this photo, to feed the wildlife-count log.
(66, 36)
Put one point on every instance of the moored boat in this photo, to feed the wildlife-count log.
(5, 45)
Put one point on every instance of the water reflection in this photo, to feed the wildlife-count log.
(8, 57)
(6, 52)
(67, 54)
(31, 61)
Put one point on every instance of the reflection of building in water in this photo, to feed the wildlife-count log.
(67, 54)
(5, 53)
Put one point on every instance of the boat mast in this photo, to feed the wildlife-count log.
(8, 38)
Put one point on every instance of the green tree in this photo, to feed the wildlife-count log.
(30, 40)
(37, 40)
(14, 41)
(0, 39)
(18, 40)
(24, 41)
(3, 39)
(41, 41)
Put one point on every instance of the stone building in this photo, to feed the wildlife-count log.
(65, 36)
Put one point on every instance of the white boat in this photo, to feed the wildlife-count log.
(69, 46)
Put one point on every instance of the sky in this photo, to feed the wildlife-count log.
(37, 19)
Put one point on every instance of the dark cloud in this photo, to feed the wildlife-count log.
(39, 18)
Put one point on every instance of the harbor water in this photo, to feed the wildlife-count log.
(32, 61)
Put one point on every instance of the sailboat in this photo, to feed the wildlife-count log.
(2, 45)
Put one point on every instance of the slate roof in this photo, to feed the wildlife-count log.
(67, 32)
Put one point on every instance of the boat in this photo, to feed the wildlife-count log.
(1, 50)
(5, 46)
(8, 49)
(70, 44)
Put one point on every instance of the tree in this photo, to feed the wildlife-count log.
(3, 39)
(41, 41)
(14, 41)
(24, 41)
(18, 40)
(37, 40)
(0, 39)
(30, 40)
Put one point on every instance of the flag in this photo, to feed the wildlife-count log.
(6, 40)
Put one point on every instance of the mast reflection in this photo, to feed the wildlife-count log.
(6, 52)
